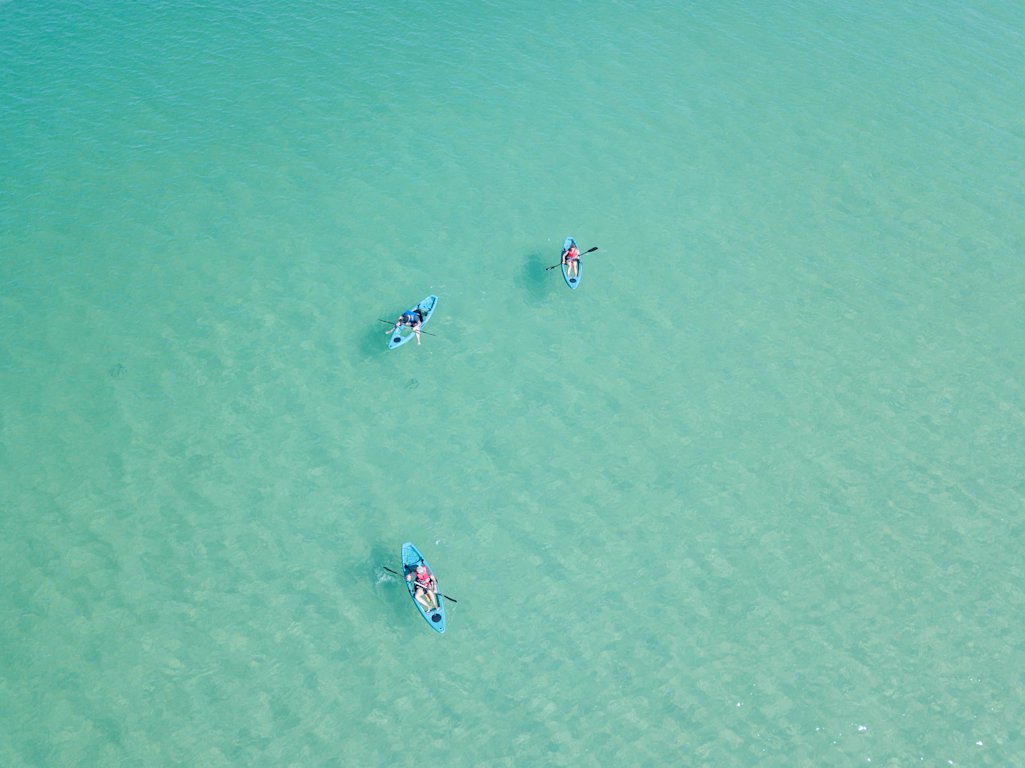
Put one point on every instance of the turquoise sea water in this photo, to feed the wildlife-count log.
(752, 495)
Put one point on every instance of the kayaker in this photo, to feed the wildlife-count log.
(413, 318)
(571, 258)
(426, 587)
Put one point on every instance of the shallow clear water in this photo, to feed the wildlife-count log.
(753, 493)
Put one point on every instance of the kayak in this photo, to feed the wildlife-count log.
(574, 281)
(411, 557)
(405, 333)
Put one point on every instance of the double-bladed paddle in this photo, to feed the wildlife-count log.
(589, 250)
(452, 599)
(421, 330)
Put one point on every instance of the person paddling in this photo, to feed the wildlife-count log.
(571, 260)
(426, 587)
(414, 318)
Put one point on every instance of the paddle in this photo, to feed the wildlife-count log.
(451, 599)
(589, 250)
(421, 330)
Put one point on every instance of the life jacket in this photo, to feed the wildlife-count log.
(423, 579)
(411, 317)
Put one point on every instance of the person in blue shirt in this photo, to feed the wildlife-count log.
(413, 318)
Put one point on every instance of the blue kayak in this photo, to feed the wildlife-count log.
(411, 557)
(574, 281)
(404, 333)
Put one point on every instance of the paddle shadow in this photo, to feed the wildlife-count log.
(533, 279)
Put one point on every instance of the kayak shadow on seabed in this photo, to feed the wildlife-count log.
(532, 279)
(375, 340)
(388, 587)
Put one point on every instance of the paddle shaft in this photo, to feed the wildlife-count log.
(589, 250)
(437, 593)
(421, 330)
